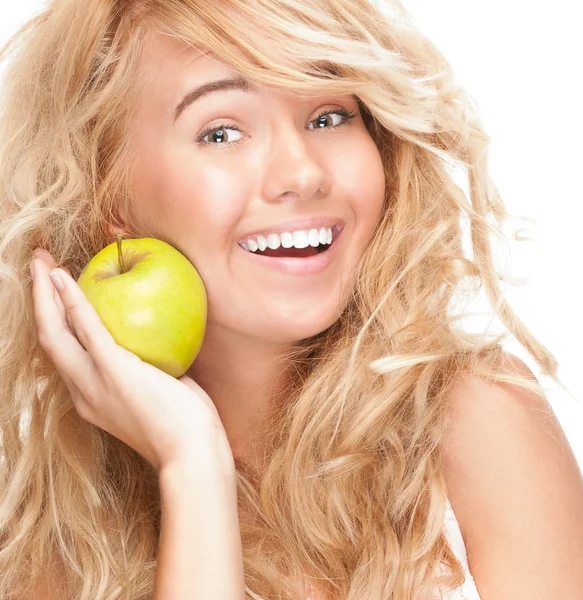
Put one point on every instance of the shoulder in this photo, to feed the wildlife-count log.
(515, 487)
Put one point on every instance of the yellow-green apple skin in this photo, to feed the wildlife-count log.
(156, 309)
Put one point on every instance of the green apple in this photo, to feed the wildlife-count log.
(151, 299)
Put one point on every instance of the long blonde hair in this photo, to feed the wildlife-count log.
(352, 495)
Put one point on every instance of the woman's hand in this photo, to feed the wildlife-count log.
(163, 418)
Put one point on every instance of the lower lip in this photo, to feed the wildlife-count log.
(310, 265)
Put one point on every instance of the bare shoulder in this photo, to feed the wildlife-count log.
(516, 489)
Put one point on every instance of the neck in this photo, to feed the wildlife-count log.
(242, 376)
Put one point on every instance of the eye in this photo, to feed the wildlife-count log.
(219, 129)
(321, 119)
(347, 116)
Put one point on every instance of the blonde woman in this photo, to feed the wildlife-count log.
(339, 435)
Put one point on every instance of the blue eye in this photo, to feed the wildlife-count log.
(347, 116)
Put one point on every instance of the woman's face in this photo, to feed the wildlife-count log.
(271, 160)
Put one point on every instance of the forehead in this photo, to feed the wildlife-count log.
(168, 69)
(171, 69)
(164, 55)
(169, 58)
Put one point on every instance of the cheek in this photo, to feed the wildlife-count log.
(196, 205)
(364, 179)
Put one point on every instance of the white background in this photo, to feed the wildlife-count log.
(521, 62)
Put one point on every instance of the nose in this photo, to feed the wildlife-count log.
(293, 170)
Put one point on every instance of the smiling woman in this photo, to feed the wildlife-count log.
(338, 433)
(242, 164)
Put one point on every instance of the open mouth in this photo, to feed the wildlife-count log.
(294, 252)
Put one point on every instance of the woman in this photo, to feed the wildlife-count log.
(338, 435)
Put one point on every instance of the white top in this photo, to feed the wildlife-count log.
(468, 590)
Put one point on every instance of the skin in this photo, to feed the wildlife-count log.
(511, 476)
(203, 199)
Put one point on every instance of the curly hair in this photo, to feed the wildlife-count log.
(352, 494)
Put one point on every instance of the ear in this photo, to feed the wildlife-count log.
(113, 230)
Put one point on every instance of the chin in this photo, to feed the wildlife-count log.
(280, 320)
(301, 328)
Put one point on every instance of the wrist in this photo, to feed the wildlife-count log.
(211, 457)
(198, 489)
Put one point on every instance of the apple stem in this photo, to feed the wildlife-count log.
(118, 239)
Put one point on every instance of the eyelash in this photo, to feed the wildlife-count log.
(209, 131)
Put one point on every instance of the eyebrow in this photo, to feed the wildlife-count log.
(236, 83)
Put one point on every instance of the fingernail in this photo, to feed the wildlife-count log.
(56, 279)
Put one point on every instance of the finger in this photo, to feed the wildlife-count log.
(90, 330)
(45, 256)
(64, 316)
(48, 258)
(67, 315)
(67, 354)
(74, 391)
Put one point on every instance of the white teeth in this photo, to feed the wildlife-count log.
(300, 239)
(289, 239)
(314, 238)
(261, 242)
(273, 241)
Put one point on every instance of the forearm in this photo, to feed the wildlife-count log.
(200, 554)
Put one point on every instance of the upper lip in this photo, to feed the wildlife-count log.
(306, 223)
